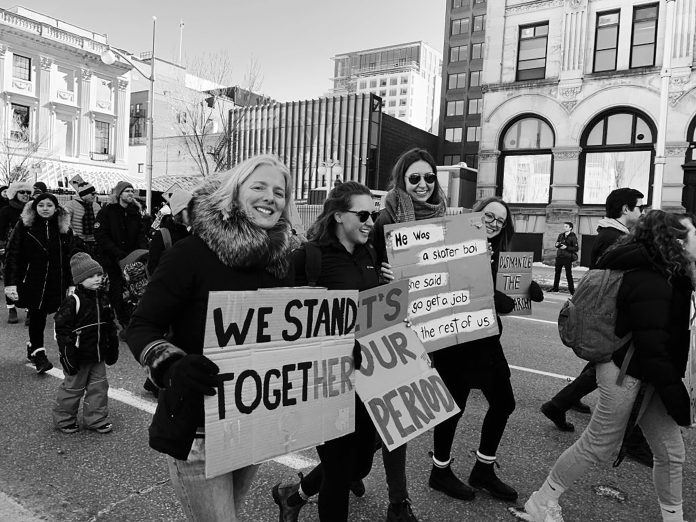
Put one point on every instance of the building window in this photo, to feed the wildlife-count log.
(617, 151)
(392, 103)
(383, 82)
(363, 85)
(373, 84)
(456, 81)
(19, 127)
(21, 67)
(644, 36)
(525, 161)
(471, 160)
(531, 56)
(402, 114)
(404, 79)
(453, 134)
(383, 93)
(141, 167)
(455, 108)
(392, 92)
(606, 41)
(476, 51)
(459, 3)
(479, 22)
(474, 78)
(181, 118)
(101, 137)
(451, 159)
(473, 133)
(479, 2)
(459, 53)
(475, 105)
(393, 81)
(402, 102)
(403, 91)
(460, 26)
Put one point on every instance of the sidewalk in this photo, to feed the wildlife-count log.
(11, 510)
(543, 274)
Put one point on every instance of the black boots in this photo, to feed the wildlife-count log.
(400, 512)
(12, 316)
(483, 477)
(444, 480)
(557, 416)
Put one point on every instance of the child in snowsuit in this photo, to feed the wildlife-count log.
(87, 339)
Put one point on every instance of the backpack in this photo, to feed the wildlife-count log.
(587, 320)
(313, 261)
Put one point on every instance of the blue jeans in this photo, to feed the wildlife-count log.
(603, 436)
(208, 500)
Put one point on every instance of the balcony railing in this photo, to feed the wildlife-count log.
(100, 156)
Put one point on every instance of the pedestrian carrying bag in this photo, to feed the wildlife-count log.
(587, 321)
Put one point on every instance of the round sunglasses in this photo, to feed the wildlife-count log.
(364, 215)
(429, 178)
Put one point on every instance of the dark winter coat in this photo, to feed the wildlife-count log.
(177, 232)
(377, 235)
(117, 232)
(571, 243)
(9, 215)
(222, 254)
(656, 311)
(38, 259)
(608, 232)
(88, 335)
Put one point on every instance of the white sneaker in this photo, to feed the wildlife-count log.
(542, 512)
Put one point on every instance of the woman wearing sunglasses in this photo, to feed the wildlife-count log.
(339, 257)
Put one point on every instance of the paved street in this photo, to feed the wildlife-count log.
(116, 477)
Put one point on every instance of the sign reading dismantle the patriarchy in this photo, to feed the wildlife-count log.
(514, 279)
(448, 266)
(286, 378)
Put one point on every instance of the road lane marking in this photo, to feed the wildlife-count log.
(291, 460)
(539, 372)
(530, 319)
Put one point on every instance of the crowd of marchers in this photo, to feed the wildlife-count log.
(106, 272)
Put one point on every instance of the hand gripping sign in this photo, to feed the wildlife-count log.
(448, 266)
(403, 395)
(286, 378)
(515, 278)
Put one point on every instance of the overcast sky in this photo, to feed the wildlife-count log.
(292, 40)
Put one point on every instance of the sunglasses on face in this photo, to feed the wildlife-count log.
(429, 178)
(490, 219)
(25, 192)
(364, 215)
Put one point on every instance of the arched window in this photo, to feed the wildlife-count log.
(617, 151)
(524, 168)
(691, 138)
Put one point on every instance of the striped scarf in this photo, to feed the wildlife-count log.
(87, 218)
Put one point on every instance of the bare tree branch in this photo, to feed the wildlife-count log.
(18, 153)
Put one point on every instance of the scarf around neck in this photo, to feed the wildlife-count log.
(88, 218)
(401, 208)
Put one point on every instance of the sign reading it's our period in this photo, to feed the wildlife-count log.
(448, 266)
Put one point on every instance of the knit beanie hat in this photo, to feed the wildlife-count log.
(4, 187)
(16, 186)
(120, 187)
(41, 197)
(179, 201)
(82, 267)
(85, 188)
(40, 186)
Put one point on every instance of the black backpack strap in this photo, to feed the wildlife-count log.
(312, 263)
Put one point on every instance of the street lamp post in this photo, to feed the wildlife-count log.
(329, 167)
(109, 57)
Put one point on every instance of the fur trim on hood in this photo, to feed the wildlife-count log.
(236, 240)
(29, 216)
(16, 186)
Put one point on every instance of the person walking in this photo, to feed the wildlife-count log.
(623, 208)
(118, 231)
(18, 193)
(653, 305)
(567, 245)
(239, 241)
(37, 268)
(4, 201)
(86, 334)
(83, 212)
(340, 241)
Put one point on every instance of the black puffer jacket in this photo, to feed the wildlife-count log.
(657, 312)
(221, 255)
(38, 259)
(118, 231)
(87, 335)
(9, 215)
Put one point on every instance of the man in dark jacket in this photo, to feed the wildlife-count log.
(118, 231)
(623, 209)
(567, 245)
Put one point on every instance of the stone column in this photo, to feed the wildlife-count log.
(564, 193)
(486, 183)
(4, 104)
(573, 44)
(673, 184)
(122, 119)
(45, 112)
(85, 127)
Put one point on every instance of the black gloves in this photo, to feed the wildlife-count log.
(536, 294)
(503, 303)
(677, 402)
(111, 353)
(192, 373)
(357, 355)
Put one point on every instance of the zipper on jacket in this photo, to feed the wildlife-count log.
(48, 263)
(99, 356)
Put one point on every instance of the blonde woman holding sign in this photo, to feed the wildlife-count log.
(239, 241)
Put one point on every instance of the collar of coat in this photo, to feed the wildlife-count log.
(62, 217)
(235, 239)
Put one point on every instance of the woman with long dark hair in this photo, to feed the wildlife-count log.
(343, 259)
(653, 304)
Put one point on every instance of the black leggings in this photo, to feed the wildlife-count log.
(501, 403)
(37, 325)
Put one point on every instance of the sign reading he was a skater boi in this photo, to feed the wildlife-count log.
(514, 279)
(448, 266)
(403, 395)
(286, 378)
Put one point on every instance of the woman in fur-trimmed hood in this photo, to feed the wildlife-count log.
(37, 267)
(239, 241)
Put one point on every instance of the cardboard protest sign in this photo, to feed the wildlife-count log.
(690, 375)
(286, 378)
(514, 279)
(403, 395)
(448, 266)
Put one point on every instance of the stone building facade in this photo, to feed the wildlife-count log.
(571, 106)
